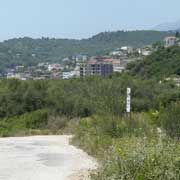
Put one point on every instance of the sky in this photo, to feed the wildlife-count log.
(81, 18)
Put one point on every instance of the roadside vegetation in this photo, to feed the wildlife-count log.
(141, 146)
(144, 146)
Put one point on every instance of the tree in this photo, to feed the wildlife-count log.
(177, 34)
(170, 119)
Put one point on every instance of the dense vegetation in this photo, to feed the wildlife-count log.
(161, 64)
(143, 145)
(83, 97)
(129, 148)
(27, 51)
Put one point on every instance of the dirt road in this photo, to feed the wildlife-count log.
(42, 158)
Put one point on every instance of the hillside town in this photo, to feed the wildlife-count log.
(90, 90)
(81, 65)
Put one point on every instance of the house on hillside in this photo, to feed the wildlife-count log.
(55, 67)
(170, 41)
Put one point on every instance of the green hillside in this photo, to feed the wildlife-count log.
(143, 146)
(160, 64)
(32, 51)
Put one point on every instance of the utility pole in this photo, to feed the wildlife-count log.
(128, 101)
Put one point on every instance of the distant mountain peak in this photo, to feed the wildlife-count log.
(168, 26)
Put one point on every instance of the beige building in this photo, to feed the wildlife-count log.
(170, 41)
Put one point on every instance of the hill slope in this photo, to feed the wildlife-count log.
(163, 63)
(169, 26)
(32, 51)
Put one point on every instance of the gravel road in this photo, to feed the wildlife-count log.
(43, 158)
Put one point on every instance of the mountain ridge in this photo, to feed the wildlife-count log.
(168, 26)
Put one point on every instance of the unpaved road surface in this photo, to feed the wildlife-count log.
(42, 158)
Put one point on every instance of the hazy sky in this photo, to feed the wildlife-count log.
(81, 18)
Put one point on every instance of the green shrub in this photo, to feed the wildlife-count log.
(129, 148)
(36, 120)
(19, 125)
(140, 159)
(170, 119)
(96, 133)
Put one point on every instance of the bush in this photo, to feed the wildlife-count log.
(96, 133)
(20, 125)
(140, 159)
(129, 148)
(170, 119)
(36, 120)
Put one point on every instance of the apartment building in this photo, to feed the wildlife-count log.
(96, 68)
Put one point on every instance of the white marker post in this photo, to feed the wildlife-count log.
(128, 102)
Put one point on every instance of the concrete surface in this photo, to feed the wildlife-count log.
(42, 158)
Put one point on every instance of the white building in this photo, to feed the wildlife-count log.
(119, 69)
(56, 67)
(116, 53)
(67, 75)
(19, 76)
(170, 41)
(146, 52)
(124, 48)
(10, 75)
(80, 58)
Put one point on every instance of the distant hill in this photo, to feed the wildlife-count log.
(161, 64)
(168, 26)
(127, 38)
(32, 51)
